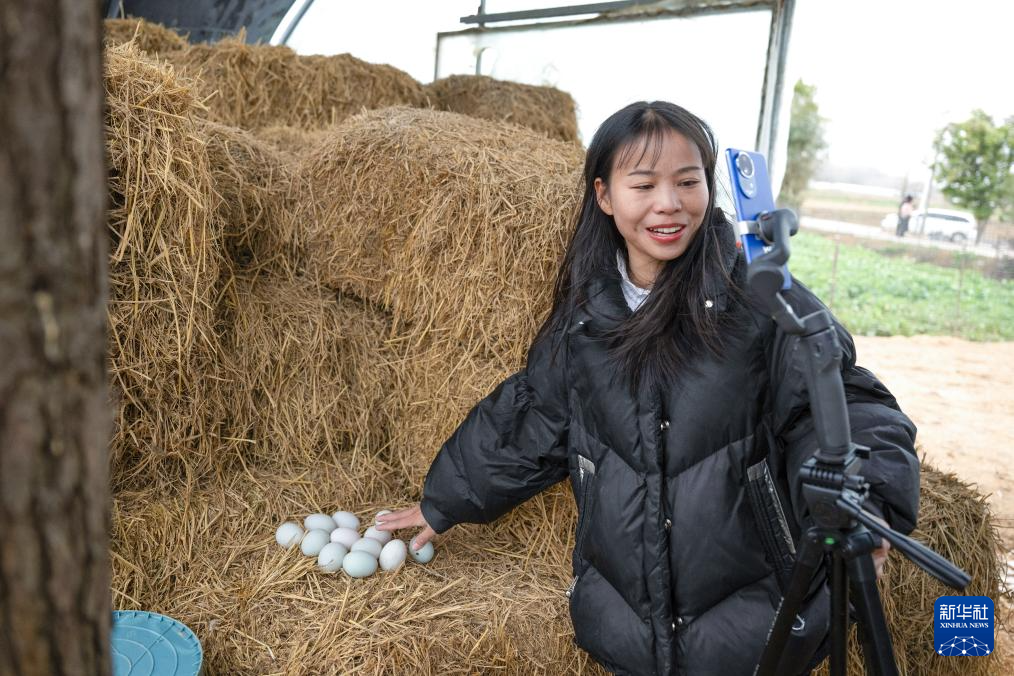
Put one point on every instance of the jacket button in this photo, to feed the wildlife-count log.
(668, 524)
(664, 425)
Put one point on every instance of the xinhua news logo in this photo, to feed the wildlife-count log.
(963, 626)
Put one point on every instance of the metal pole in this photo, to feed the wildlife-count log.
(478, 56)
(928, 195)
(289, 22)
(774, 77)
(834, 271)
(961, 279)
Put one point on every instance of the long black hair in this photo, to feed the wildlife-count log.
(675, 324)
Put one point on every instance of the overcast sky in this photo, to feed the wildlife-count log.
(888, 72)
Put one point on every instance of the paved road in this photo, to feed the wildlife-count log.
(873, 232)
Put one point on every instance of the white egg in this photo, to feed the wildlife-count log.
(392, 556)
(330, 557)
(346, 536)
(313, 542)
(289, 534)
(424, 554)
(380, 514)
(369, 545)
(346, 520)
(319, 522)
(381, 536)
(359, 564)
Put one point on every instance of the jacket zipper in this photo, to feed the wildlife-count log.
(586, 474)
(570, 589)
(780, 512)
(665, 521)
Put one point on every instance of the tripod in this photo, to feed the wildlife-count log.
(832, 485)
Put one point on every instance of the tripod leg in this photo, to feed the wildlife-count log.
(808, 559)
(876, 639)
(839, 616)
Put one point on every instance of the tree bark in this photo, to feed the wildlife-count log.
(54, 415)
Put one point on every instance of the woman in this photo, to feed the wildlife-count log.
(905, 210)
(661, 390)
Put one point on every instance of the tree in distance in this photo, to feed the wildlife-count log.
(806, 145)
(973, 165)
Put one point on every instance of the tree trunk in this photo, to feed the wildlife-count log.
(981, 229)
(54, 415)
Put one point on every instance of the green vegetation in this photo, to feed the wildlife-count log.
(877, 293)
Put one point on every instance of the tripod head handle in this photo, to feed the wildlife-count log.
(765, 276)
(920, 554)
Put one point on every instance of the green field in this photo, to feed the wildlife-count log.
(884, 295)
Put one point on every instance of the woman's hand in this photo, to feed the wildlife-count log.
(880, 554)
(407, 518)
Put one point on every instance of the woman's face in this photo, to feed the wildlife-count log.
(657, 209)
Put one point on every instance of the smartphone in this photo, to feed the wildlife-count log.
(751, 196)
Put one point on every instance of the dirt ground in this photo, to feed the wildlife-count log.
(961, 397)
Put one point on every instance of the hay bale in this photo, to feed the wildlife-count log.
(488, 602)
(257, 86)
(151, 38)
(292, 140)
(436, 390)
(308, 374)
(544, 109)
(255, 183)
(453, 224)
(164, 267)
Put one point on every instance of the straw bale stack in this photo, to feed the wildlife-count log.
(165, 261)
(150, 38)
(491, 600)
(453, 224)
(257, 86)
(544, 109)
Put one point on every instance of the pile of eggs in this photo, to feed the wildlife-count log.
(336, 543)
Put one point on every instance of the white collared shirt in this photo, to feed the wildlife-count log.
(633, 294)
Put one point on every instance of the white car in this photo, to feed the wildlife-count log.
(956, 226)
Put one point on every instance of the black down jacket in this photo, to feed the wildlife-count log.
(672, 575)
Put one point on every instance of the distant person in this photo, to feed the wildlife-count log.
(904, 214)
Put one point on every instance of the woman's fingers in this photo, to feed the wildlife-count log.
(405, 518)
(408, 518)
(422, 538)
(880, 556)
(880, 553)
